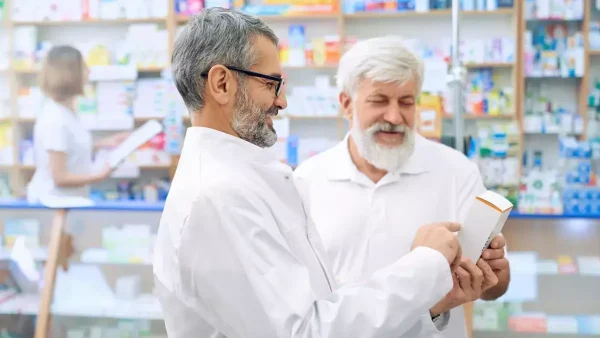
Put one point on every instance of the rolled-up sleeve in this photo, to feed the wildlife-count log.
(240, 275)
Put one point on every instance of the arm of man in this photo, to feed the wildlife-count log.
(431, 322)
(472, 185)
(237, 267)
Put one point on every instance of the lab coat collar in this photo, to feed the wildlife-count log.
(204, 139)
(342, 168)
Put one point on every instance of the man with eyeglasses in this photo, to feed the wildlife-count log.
(236, 254)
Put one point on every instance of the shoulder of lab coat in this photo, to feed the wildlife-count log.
(236, 266)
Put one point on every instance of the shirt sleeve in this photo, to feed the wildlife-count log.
(240, 275)
(54, 136)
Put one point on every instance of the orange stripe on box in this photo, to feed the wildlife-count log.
(490, 204)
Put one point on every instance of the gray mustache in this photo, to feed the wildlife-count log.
(272, 111)
(388, 127)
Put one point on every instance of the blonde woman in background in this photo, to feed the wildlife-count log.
(63, 147)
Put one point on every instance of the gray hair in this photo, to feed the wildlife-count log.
(383, 59)
(214, 36)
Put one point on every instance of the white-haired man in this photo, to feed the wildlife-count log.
(369, 194)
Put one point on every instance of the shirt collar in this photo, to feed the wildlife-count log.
(203, 139)
(342, 167)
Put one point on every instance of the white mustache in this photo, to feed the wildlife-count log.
(388, 128)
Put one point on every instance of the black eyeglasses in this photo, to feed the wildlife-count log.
(280, 80)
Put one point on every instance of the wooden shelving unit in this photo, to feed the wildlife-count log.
(88, 22)
(172, 21)
(584, 87)
(19, 173)
(442, 13)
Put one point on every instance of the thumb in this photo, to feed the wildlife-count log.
(456, 263)
(453, 227)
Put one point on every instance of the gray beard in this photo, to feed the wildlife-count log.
(250, 121)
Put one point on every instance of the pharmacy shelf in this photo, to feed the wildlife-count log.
(89, 22)
(98, 206)
(471, 65)
(35, 71)
(442, 13)
(96, 256)
(145, 307)
(483, 117)
(39, 254)
(29, 120)
(101, 256)
(158, 207)
(20, 304)
(368, 15)
(136, 119)
(286, 18)
(514, 334)
(552, 77)
(89, 256)
(489, 65)
(324, 67)
(26, 167)
(553, 20)
(307, 117)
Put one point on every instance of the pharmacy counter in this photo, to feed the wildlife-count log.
(555, 266)
(113, 241)
(98, 206)
(555, 273)
(158, 206)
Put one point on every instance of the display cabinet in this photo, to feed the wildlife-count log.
(106, 290)
(555, 271)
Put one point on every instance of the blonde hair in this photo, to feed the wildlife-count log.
(61, 76)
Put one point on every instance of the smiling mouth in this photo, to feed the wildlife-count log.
(391, 132)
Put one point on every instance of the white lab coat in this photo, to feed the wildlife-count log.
(235, 256)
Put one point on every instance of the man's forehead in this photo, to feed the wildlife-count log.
(406, 87)
(267, 57)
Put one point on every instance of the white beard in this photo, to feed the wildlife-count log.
(385, 158)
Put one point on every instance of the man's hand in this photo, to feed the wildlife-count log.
(470, 281)
(494, 254)
(440, 237)
(495, 258)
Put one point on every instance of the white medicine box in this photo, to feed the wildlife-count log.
(485, 220)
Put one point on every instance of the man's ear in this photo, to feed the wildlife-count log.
(219, 85)
(346, 105)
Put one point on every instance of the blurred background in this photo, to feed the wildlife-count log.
(530, 119)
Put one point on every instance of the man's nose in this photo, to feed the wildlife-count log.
(394, 115)
(281, 102)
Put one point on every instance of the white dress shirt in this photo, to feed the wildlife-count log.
(235, 256)
(366, 226)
